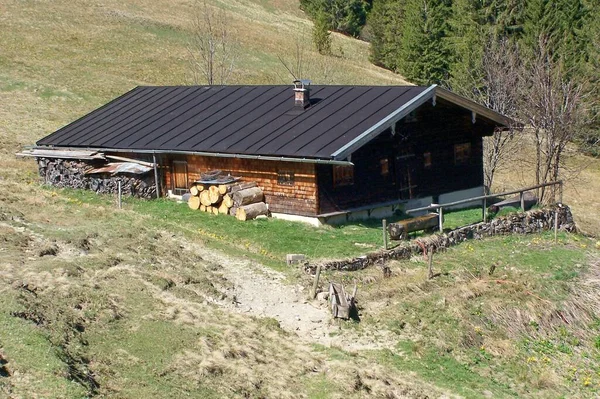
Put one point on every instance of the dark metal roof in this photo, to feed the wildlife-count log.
(245, 120)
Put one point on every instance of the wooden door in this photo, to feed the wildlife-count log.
(180, 177)
(403, 167)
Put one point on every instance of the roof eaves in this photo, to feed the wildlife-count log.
(209, 154)
(383, 124)
(475, 107)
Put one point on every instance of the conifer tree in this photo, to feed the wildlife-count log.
(385, 27)
(424, 52)
(321, 34)
(559, 24)
(467, 39)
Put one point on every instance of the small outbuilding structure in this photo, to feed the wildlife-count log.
(320, 153)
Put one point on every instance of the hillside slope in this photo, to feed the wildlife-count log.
(106, 303)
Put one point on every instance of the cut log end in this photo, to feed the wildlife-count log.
(194, 203)
(227, 200)
(205, 198)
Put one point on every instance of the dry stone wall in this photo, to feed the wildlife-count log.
(71, 173)
(534, 221)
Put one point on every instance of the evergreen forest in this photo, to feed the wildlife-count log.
(470, 46)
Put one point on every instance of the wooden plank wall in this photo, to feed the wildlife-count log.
(299, 198)
(433, 129)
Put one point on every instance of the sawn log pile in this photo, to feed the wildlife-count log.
(243, 200)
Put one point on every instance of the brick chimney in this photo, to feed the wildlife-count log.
(301, 93)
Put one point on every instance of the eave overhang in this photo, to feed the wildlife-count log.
(429, 94)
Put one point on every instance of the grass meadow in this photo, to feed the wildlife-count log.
(104, 303)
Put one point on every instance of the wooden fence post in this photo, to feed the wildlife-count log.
(385, 237)
(560, 191)
(484, 208)
(522, 198)
(441, 216)
(316, 283)
(556, 225)
(430, 263)
(119, 195)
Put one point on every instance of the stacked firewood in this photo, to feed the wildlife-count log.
(72, 174)
(245, 201)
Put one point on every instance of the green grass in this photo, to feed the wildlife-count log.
(440, 367)
(267, 239)
(464, 217)
(142, 297)
(36, 354)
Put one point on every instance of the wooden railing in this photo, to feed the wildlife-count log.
(484, 198)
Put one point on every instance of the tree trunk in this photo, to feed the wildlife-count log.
(247, 196)
(249, 212)
(194, 191)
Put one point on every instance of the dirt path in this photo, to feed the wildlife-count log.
(262, 292)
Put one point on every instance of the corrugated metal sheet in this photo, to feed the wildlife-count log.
(252, 120)
(120, 167)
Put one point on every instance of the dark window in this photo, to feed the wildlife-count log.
(343, 175)
(385, 167)
(462, 153)
(427, 160)
(285, 178)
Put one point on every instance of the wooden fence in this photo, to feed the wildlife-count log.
(484, 200)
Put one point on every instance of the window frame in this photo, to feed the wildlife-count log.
(462, 153)
(427, 160)
(286, 178)
(343, 175)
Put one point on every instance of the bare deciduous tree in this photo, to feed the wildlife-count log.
(301, 63)
(500, 66)
(553, 108)
(493, 85)
(212, 48)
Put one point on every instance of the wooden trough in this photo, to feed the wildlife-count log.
(400, 230)
(341, 303)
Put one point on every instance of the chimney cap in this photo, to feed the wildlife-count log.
(301, 84)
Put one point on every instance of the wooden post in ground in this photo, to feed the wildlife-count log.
(156, 176)
(119, 194)
(385, 236)
(556, 225)
(430, 261)
(313, 294)
(522, 200)
(441, 216)
(484, 208)
(560, 192)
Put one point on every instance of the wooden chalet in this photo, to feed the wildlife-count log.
(327, 153)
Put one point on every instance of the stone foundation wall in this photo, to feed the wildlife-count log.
(71, 173)
(534, 221)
